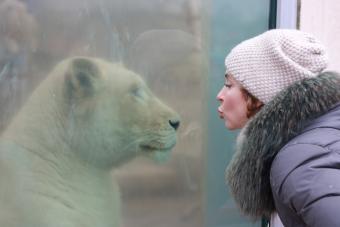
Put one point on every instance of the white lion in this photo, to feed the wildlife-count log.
(86, 118)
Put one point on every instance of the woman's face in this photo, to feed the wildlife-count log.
(233, 104)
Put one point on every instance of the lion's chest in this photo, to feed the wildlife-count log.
(34, 196)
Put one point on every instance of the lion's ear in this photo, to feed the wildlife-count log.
(81, 78)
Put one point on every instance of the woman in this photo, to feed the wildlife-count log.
(288, 151)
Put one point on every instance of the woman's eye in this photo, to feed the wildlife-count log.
(227, 85)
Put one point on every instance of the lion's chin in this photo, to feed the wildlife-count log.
(158, 154)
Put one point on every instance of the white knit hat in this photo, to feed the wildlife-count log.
(268, 63)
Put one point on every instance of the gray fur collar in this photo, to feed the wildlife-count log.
(262, 138)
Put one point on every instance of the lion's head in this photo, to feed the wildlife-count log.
(101, 112)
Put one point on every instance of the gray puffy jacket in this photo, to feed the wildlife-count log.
(305, 175)
(288, 156)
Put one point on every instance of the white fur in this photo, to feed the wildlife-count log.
(82, 121)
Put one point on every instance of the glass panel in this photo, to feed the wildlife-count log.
(57, 146)
(66, 127)
(230, 23)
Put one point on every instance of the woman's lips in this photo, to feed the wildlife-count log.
(220, 113)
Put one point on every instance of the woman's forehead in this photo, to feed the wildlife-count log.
(229, 77)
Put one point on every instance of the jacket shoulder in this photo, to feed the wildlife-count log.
(308, 148)
(305, 175)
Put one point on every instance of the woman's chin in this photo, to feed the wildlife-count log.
(231, 126)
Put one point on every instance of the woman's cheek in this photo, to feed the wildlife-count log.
(230, 104)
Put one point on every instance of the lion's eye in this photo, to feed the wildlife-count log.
(139, 93)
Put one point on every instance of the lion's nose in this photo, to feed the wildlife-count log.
(174, 123)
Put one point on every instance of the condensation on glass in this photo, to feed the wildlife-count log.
(160, 40)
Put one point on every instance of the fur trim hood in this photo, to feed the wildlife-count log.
(268, 131)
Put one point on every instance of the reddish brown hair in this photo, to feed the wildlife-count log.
(253, 104)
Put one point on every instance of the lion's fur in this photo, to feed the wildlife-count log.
(86, 118)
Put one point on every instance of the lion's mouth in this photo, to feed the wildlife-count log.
(158, 146)
(151, 148)
(147, 147)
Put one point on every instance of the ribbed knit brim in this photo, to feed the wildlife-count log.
(268, 63)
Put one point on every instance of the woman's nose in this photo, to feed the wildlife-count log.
(219, 96)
